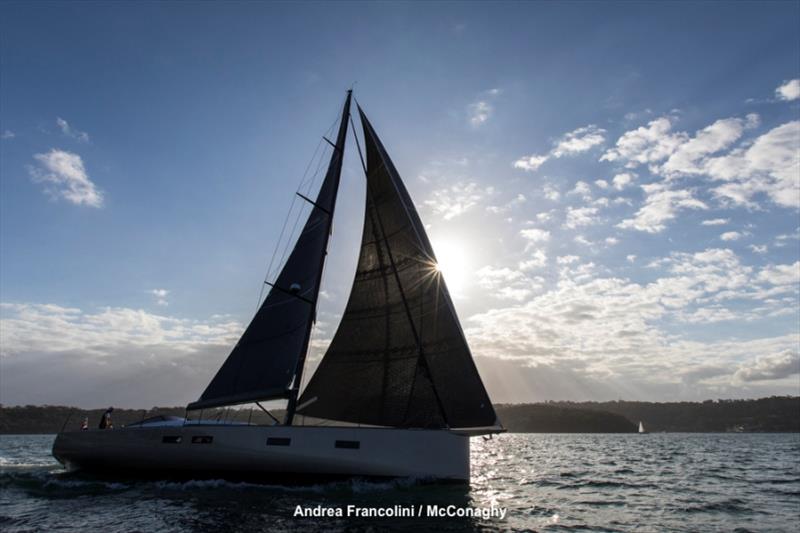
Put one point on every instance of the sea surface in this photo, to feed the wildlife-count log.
(545, 482)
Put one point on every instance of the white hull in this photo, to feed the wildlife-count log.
(268, 452)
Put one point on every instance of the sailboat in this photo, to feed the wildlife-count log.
(397, 392)
(641, 427)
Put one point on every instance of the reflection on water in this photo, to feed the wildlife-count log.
(655, 482)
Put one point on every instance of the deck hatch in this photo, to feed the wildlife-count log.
(171, 439)
(202, 439)
(348, 444)
(279, 441)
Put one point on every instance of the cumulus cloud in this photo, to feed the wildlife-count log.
(551, 193)
(535, 261)
(661, 205)
(579, 140)
(582, 189)
(731, 236)
(622, 180)
(508, 206)
(580, 216)
(770, 367)
(530, 163)
(169, 359)
(457, 199)
(611, 328)
(770, 165)
(69, 131)
(789, 91)
(64, 176)
(689, 155)
(715, 222)
(780, 274)
(646, 144)
(479, 112)
(535, 235)
(7, 135)
(506, 284)
(160, 296)
(572, 143)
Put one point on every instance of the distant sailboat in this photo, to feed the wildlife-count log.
(397, 386)
(641, 427)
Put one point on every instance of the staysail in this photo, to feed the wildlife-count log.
(265, 362)
(399, 357)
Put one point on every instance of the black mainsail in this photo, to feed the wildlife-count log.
(399, 357)
(267, 361)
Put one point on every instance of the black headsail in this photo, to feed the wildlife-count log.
(267, 361)
(399, 357)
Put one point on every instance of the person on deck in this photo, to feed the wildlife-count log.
(105, 420)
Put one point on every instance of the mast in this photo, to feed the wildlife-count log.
(399, 357)
(334, 168)
(266, 362)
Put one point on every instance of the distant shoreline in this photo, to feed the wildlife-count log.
(777, 414)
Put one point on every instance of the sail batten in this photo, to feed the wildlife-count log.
(399, 357)
(266, 362)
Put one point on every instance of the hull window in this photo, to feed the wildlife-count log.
(348, 444)
(278, 441)
(202, 439)
(167, 439)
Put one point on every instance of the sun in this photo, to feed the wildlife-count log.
(452, 263)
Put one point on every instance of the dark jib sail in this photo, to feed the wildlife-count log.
(399, 357)
(271, 352)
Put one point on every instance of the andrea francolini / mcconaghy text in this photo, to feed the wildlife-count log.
(402, 511)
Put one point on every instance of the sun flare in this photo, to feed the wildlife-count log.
(452, 263)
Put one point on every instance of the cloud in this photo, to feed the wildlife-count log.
(646, 144)
(517, 201)
(661, 205)
(551, 193)
(537, 260)
(160, 295)
(7, 135)
(535, 235)
(758, 249)
(789, 91)
(457, 199)
(622, 180)
(582, 189)
(69, 131)
(715, 222)
(570, 144)
(530, 163)
(612, 329)
(506, 284)
(63, 175)
(170, 360)
(770, 165)
(579, 140)
(770, 367)
(731, 236)
(479, 112)
(780, 274)
(580, 216)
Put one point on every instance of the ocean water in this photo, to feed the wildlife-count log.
(544, 482)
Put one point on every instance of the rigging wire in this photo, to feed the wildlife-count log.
(305, 181)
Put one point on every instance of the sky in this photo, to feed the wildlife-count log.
(611, 189)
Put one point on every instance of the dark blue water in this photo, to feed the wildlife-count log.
(655, 482)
